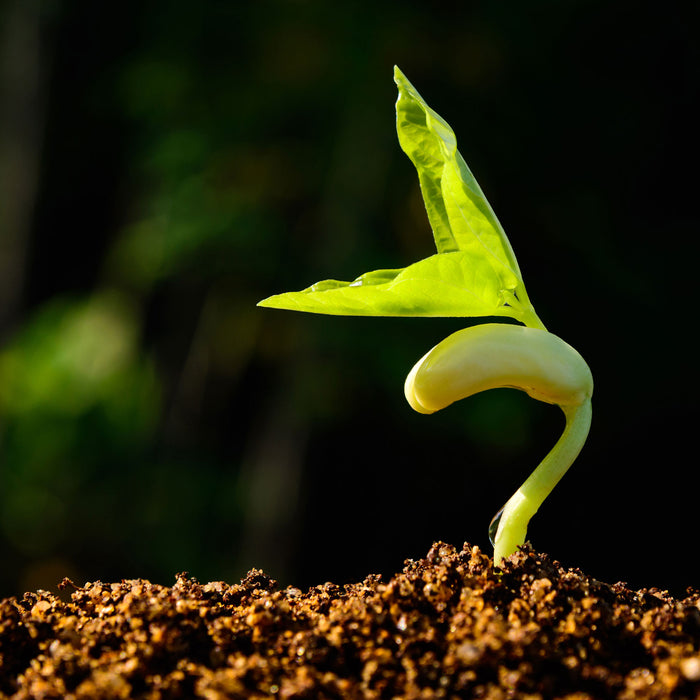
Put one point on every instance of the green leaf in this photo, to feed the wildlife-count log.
(459, 214)
(446, 284)
(474, 273)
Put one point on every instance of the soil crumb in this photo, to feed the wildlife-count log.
(447, 626)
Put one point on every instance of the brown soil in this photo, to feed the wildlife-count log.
(446, 627)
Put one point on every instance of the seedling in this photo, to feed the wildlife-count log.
(474, 273)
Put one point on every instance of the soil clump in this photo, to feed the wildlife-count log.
(447, 626)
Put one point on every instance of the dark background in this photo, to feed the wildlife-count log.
(165, 165)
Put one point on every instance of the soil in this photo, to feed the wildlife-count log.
(447, 626)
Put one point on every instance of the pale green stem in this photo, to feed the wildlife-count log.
(532, 320)
(495, 355)
(523, 504)
(521, 308)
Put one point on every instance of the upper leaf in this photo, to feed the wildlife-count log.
(459, 214)
(474, 273)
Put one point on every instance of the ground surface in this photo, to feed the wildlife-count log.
(447, 626)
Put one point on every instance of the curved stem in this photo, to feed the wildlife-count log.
(523, 504)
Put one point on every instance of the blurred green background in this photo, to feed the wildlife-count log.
(165, 165)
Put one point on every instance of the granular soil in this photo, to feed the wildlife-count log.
(447, 626)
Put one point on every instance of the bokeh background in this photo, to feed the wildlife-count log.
(165, 165)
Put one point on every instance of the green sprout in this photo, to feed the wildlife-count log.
(473, 274)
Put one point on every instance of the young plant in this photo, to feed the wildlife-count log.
(475, 274)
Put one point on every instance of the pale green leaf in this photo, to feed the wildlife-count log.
(445, 284)
(458, 211)
(474, 273)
